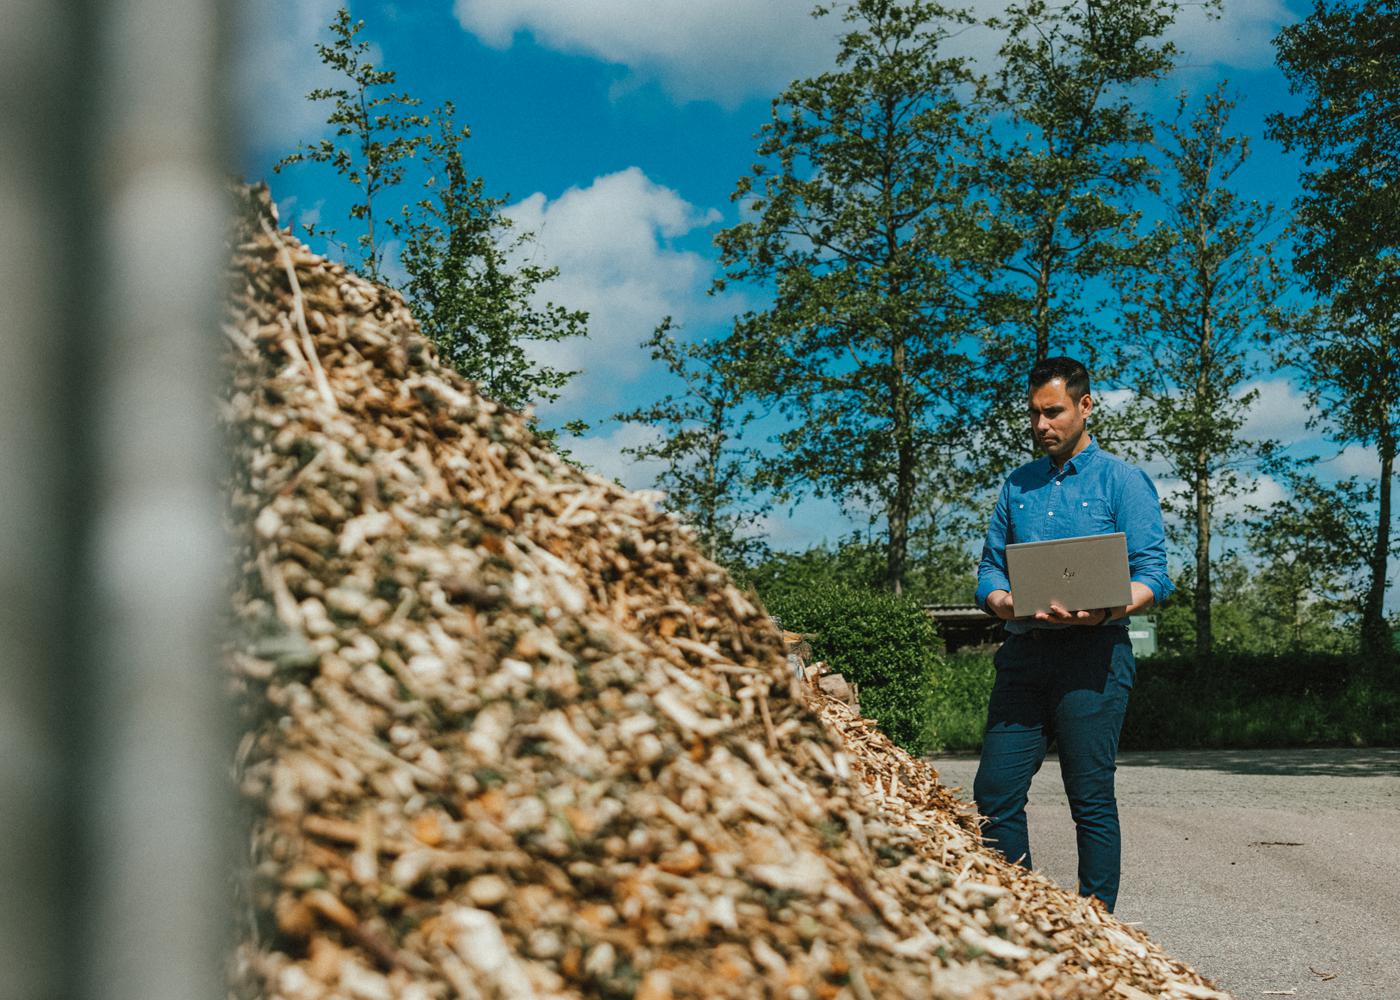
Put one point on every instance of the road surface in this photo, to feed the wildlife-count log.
(1268, 870)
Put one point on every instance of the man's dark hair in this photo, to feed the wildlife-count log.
(1074, 374)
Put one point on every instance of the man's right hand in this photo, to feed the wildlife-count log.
(999, 604)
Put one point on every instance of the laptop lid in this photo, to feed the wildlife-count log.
(1079, 574)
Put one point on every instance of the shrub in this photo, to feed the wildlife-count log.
(1231, 700)
(959, 711)
(884, 643)
(1243, 700)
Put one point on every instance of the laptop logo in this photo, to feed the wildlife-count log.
(1068, 574)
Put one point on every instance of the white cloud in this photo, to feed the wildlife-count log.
(1241, 37)
(730, 50)
(723, 50)
(311, 216)
(602, 453)
(814, 521)
(1355, 459)
(1280, 412)
(1262, 491)
(613, 244)
(276, 65)
(1115, 401)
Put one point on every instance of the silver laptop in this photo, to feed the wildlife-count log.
(1078, 574)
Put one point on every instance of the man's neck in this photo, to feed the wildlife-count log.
(1084, 440)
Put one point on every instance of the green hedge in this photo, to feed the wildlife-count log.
(1254, 700)
(1227, 701)
(884, 643)
(959, 709)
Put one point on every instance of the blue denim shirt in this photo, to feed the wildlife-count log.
(1093, 494)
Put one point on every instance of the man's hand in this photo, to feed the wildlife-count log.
(999, 603)
(1060, 616)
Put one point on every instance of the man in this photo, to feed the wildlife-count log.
(1064, 676)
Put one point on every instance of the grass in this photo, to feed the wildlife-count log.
(959, 704)
(1227, 702)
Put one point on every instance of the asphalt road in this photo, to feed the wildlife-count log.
(1269, 871)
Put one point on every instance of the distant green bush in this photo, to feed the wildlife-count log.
(1253, 700)
(884, 643)
(1238, 700)
(959, 710)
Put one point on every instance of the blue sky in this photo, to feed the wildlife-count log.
(618, 130)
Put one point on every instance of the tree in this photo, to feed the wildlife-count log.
(857, 563)
(459, 252)
(1344, 61)
(852, 563)
(706, 472)
(1063, 157)
(375, 134)
(1193, 317)
(1266, 608)
(859, 230)
(1351, 373)
(479, 310)
(1315, 547)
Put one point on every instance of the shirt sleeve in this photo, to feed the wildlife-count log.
(1139, 517)
(991, 571)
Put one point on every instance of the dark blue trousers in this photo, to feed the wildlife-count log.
(1066, 687)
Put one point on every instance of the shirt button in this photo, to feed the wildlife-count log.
(1049, 513)
(1057, 482)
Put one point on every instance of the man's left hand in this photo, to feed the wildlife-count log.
(1060, 616)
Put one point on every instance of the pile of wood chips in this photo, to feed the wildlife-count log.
(508, 735)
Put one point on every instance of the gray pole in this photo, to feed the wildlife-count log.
(115, 816)
(34, 757)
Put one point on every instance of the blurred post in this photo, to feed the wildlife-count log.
(115, 815)
(35, 92)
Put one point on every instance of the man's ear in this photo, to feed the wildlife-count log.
(1086, 403)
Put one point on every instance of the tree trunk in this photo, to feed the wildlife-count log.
(1040, 318)
(899, 518)
(1205, 279)
(901, 416)
(1040, 314)
(1375, 634)
(1297, 618)
(710, 499)
(904, 477)
(1202, 600)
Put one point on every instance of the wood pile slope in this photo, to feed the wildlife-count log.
(508, 735)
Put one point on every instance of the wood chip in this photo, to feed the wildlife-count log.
(509, 734)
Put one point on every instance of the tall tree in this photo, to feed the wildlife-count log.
(1344, 61)
(857, 229)
(1194, 318)
(1315, 548)
(1064, 158)
(707, 470)
(479, 309)
(468, 278)
(376, 132)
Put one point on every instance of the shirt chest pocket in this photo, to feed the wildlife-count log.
(1096, 516)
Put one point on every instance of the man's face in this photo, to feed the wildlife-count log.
(1058, 419)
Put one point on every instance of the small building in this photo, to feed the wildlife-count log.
(965, 625)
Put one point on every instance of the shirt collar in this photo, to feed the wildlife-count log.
(1076, 463)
